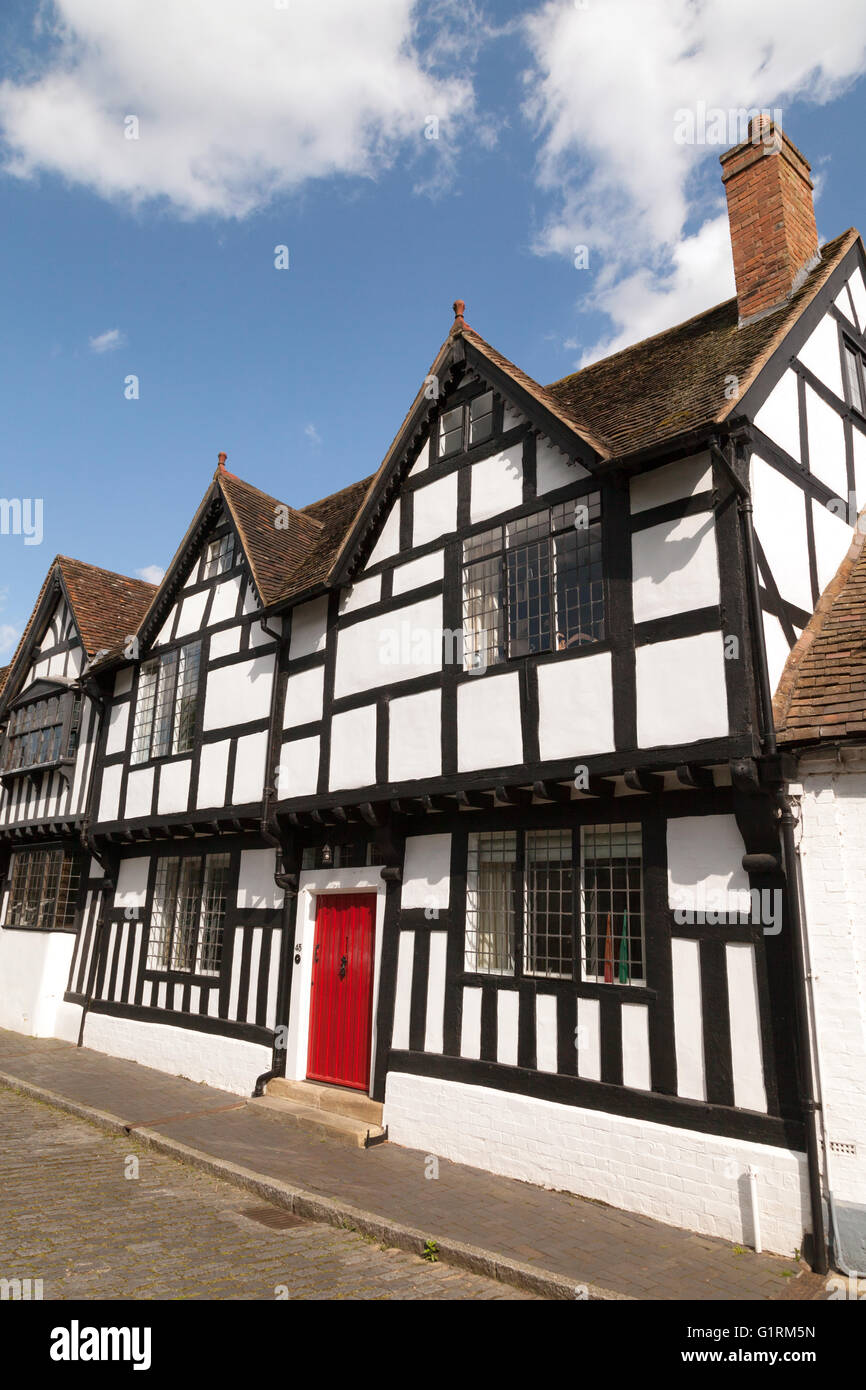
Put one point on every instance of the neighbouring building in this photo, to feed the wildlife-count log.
(461, 788)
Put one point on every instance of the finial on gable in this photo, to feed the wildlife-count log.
(459, 307)
(221, 461)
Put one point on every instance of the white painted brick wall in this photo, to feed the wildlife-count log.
(833, 856)
(675, 1175)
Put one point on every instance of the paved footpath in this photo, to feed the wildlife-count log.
(99, 1216)
(513, 1228)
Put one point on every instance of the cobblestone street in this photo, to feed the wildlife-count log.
(73, 1214)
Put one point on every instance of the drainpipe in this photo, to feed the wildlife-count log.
(109, 868)
(786, 820)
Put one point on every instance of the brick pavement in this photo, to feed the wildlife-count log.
(557, 1232)
(98, 1216)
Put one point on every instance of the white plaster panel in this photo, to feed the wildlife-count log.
(662, 1171)
(833, 538)
(546, 1051)
(826, 443)
(860, 467)
(299, 767)
(212, 772)
(683, 478)
(435, 1017)
(496, 484)
(470, 1028)
(239, 693)
(395, 646)
(777, 648)
(109, 796)
(123, 681)
(820, 353)
(353, 748)
(553, 468)
(360, 594)
(675, 567)
(415, 736)
(588, 1039)
(746, 1058)
(304, 697)
(427, 569)
(118, 724)
(843, 304)
(681, 692)
(256, 887)
(635, 1047)
(780, 524)
(512, 417)
(705, 863)
(225, 599)
(139, 793)
(173, 794)
(507, 1013)
(226, 642)
(309, 628)
(131, 890)
(435, 510)
(779, 416)
(422, 461)
(403, 991)
(858, 294)
(688, 1018)
(191, 613)
(575, 703)
(426, 872)
(388, 543)
(250, 758)
(259, 637)
(228, 1063)
(488, 722)
(34, 969)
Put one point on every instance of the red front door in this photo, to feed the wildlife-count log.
(341, 998)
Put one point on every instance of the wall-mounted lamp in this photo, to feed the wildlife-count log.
(327, 857)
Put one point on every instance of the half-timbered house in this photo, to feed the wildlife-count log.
(460, 790)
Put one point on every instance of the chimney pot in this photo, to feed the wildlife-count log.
(771, 215)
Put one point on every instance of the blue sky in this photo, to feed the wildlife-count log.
(306, 125)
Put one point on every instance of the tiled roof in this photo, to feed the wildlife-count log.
(107, 607)
(275, 552)
(4, 672)
(822, 693)
(675, 381)
(336, 514)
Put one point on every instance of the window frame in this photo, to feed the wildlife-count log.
(465, 427)
(219, 548)
(852, 349)
(573, 971)
(159, 720)
(494, 555)
(72, 883)
(67, 725)
(165, 946)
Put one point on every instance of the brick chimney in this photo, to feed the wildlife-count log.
(772, 218)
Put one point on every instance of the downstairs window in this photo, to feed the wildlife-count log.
(189, 907)
(43, 889)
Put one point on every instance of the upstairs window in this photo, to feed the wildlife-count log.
(855, 377)
(165, 711)
(534, 585)
(42, 733)
(189, 908)
(465, 425)
(43, 889)
(220, 556)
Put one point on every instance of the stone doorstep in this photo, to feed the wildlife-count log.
(335, 1100)
(323, 1117)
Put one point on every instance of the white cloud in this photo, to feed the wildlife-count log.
(107, 342)
(151, 574)
(603, 91)
(9, 637)
(312, 434)
(234, 102)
